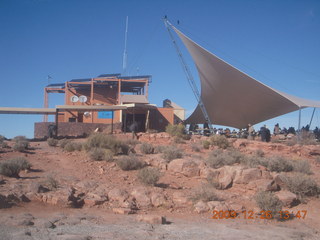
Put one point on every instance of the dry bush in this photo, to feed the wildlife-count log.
(219, 158)
(317, 160)
(72, 146)
(101, 140)
(149, 176)
(259, 153)
(204, 192)
(21, 143)
(3, 144)
(51, 183)
(178, 140)
(13, 166)
(301, 166)
(160, 149)
(206, 144)
(279, 164)
(171, 152)
(101, 154)
(302, 185)
(147, 148)
(268, 201)
(220, 141)
(132, 142)
(127, 163)
(52, 142)
(195, 148)
(254, 161)
(175, 130)
(64, 142)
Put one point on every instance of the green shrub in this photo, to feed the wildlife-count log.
(219, 158)
(301, 166)
(175, 130)
(72, 146)
(127, 163)
(21, 143)
(206, 144)
(268, 201)
(171, 152)
(101, 154)
(220, 141)
(301, 185)
(13, 166)
(52, 142)
(205, 192)
(149, 176)
(147, 148)
(279, 164)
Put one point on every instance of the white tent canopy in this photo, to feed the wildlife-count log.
(231, 97)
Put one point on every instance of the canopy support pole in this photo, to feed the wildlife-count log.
(314, 109)
(299, 126)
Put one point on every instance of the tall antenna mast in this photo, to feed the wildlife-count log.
(125, 55)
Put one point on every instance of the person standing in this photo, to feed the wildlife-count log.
(134, 128)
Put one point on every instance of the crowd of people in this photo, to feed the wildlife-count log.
(249, 132)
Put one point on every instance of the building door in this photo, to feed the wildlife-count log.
(139, 118)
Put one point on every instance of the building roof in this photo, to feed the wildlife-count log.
(134, 99)
(15, 110)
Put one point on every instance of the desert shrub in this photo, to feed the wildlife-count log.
(259, 153)
(63, 142)
(301, 185)
(132, 142)
(101, 154)
(149, 176)
(219, 158)
(302, 166)
(51, 183)
(268, 201)
(127, 163)
(195, 148)
(171, 152)
(147, 148)
(204, 192)
(220, 141)
(3, 144)
(186, 137)
(178, 140)
(317, 160)
(72, 146)
(13, 166)
(21, 143)
(160, 149)
(52, 142)
(175, 130)
(206, 144)
(254, 161)
(100, 140)
(279, 164)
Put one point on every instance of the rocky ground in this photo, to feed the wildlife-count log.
(98, 200)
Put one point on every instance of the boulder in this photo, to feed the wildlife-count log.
(212, 204)
(141, 197)
(201, 207)
(152, 219)
(287, 198)
(179, 199)
(122, 210)
(118, 195)
(186, 167)
(248, 175)
(226, 176)
(266, 185)
(158, 199)
(280, 180)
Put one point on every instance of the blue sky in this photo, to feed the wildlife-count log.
(276, 42)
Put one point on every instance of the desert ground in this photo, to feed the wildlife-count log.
(66, 194)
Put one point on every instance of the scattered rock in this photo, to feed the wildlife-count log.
(118, 195)
(287, 198)
(212, 204)
(185, 167)
(248, 175)
(141, 197)
(201, 207)
(179, 199)
(158, 199)
(122, 210)
(152, 219)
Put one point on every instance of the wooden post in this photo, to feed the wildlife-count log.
(57, 121)
(46, 104)
(112, 122)
(91, 98)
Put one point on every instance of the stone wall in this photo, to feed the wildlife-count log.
(72, 129)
